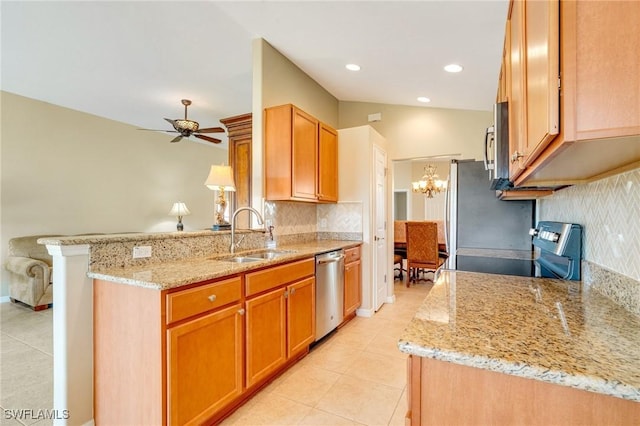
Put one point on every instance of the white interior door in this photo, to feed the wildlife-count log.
(380, 214)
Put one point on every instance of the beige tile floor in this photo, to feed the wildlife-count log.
(355, 377)
(26, 364)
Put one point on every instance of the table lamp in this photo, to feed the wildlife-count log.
(179, 209)
(220, 179)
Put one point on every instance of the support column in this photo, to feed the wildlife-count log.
(72, 335)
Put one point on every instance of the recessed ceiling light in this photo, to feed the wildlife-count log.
(453, 68)
(352, 67)
(423, 99)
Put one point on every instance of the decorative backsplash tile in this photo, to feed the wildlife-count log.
(608, 211)
(290, 217)
(340, 217)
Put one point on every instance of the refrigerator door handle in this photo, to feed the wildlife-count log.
(447, 194)
(488, 139)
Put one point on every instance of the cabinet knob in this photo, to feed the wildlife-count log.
(516, 156)
(212, 298)
(293, 290)
(241, 311)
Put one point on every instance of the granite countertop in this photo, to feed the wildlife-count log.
(537, 328)
(168, 275)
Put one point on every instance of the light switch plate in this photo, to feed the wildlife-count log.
(141, 251)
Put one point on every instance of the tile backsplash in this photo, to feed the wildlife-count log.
(608, 210)
(302, 221)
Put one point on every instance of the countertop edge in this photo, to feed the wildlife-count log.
(587, 383)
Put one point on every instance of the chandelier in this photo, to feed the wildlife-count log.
(429, 184)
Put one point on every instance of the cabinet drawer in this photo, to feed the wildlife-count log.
(351, 254)
(186, 303)
(260, 281)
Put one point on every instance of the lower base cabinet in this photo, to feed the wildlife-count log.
(352, 281)
(204, 365)
(444, 393)
(280, 322)
(188, 356)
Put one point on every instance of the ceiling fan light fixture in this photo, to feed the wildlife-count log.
(188, 125)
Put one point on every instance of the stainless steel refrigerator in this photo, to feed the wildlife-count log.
(476, 219)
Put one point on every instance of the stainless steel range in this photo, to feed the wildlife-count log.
(557, 252)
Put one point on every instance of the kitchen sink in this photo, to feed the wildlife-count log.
(270, 254)
(240, 259)
(255, 257)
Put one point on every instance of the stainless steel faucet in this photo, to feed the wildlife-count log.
(232, 247)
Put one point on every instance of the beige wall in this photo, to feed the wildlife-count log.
(69, 172)
(422, 131)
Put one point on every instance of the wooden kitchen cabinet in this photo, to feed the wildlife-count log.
(517, 93)
(352, 282)
(266, 335)
(240, 131)
(598, 132)
(204, 365)
(328, 164)
(477, 396)
(300, 156)
(166, 357)
(190, 355)
(280, 317)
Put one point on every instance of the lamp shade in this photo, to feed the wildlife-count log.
(220, 178)
(179, 209)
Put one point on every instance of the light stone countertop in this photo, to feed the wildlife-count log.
(514, 325)
(168, 275)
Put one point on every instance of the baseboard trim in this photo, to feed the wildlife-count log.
(391, 299)
(368, 313)
(5, 299)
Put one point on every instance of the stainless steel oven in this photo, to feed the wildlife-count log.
(557, 253)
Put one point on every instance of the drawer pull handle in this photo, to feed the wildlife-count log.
(241, 311)
(212, 298)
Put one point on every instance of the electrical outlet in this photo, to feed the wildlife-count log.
(141, 251)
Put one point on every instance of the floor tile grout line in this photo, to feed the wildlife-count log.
(27, 344)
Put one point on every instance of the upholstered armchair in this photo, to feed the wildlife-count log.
(29, 265)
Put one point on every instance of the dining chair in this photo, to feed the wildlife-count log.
(422, 249)
(399, 246)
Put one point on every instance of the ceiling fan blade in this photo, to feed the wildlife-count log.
(173, 122)
(207, 138)
(176, 139)
(211, 130)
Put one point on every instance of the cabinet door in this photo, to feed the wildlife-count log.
(328, 164)
(542, 58)
(304, 155)
(204, 365)
(266, 335)
(517, 92)
(301, 315)
(352, 287)
(602, 68)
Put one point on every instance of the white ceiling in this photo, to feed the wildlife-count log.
(132, 61)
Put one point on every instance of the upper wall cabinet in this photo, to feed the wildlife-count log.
(301, 156)
(585, 52)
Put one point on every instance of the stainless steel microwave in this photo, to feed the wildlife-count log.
(496, 148)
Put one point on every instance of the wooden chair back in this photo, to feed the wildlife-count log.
(422, 246)
(399, 231)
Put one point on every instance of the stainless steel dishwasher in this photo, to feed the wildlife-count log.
(329, 292)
